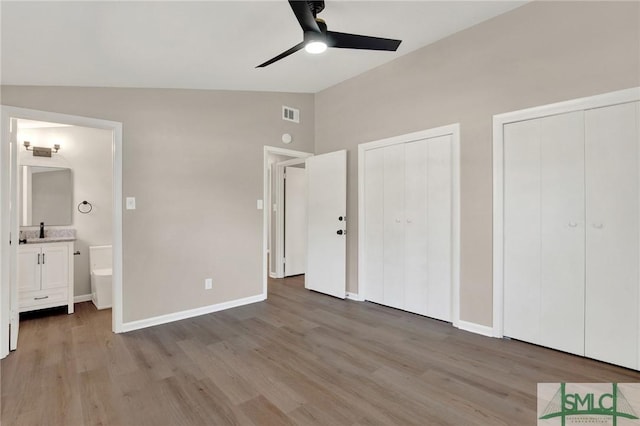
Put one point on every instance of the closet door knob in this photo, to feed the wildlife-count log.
(409, 221)
(572, 224)
(598, 225)
(397, 220)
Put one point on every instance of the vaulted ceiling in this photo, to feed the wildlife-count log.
(211, 44)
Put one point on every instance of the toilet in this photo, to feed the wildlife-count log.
(100, 258)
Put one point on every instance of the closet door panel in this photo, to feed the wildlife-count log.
(522, 231)
(612, 141)
(439, 183)
(394, 219)
(374, 225)
(562, 232)
(416, 235)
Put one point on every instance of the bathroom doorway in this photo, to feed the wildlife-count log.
(95, 201)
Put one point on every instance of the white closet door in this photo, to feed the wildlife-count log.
(374, 224)
(544, 231)
(416, 189)
(562, 232)
(394, 221)
(522, 231)
(439, 190)
(612, 141)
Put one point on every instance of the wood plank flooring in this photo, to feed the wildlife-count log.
(300, 358)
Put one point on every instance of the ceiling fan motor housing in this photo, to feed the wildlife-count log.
(316, 6)
(310, 36)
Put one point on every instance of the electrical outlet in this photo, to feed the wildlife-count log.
(208, 284)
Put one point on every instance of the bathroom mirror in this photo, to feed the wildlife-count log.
(46, 195)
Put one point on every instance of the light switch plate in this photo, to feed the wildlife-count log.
(260, 205)
(131, 203)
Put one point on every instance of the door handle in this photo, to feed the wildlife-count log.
(41, 298)
(341, 218)
(572, 224)
(43, 258)
(38, 258)
(341, 232)
(598, 225)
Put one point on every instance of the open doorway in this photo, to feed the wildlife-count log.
(56, 172)
(290, 202)
(276, 160)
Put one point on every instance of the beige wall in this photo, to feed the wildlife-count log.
(540, 53)
(193, 160)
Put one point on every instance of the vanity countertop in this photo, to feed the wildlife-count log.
(50, 235)
(49, 240)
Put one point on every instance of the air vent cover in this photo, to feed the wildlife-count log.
(290, 114)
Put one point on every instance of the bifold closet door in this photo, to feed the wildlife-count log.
(408, 226)
(544, 231)
(613, 234)
(374, 224)
(394, 226)
(428, 187)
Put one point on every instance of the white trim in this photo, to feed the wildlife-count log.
(499, 121)
(82, 298)
(580, 104)
(272, 275)
(73, 120)
(267, 150)
(5, 229)
(638, 159)
(354, 296)
(472, 327)
(454, 131)
(177, 316)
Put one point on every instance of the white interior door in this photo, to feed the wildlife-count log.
(612, 149)
(394, 226)
(439, 227)
(326, 223)
(374, 224)
(295, 221)
(544, 231)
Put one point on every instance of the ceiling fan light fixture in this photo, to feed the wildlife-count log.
(315, 47)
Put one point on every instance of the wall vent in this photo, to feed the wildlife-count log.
(290, 114)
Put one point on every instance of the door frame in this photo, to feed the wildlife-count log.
(280, 212)
(8, 112)
(499, 121)
(452, 130)
(271, 150)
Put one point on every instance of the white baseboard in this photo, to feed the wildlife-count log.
(354, 296)
(177, 316)
(475, 328)
(82, 298)
(272, 275)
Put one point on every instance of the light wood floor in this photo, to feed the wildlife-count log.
(299, 358)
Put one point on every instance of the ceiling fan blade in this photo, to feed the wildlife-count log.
(294, 49)
(304, 15)
(355, 41)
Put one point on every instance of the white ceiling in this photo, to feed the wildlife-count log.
(211, 44)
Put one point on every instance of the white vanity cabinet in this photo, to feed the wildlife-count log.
(45, 276)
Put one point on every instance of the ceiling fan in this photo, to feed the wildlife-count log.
(317, 38)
